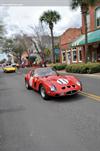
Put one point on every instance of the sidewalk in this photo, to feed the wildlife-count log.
(95, 75)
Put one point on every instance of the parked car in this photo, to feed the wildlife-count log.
(15, 65)
(9, 69)
(49, 83)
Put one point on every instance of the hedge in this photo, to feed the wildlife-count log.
(83, 68)
(59, 66)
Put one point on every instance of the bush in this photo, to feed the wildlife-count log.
(76, 68)
(59, 66)
(93, 68)
(83, 68)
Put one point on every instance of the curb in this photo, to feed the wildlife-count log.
(84, 75)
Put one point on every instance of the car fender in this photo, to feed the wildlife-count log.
(45, 85)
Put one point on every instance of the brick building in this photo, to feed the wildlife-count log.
(93, 27)
(76, 52)
(65, 40)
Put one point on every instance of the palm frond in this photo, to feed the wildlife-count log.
(76, 3)
(50, 16)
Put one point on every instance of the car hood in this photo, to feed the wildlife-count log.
(9, 68)
(60, 80)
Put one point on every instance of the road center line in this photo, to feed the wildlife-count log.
(89, 95)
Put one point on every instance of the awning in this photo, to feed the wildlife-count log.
(92, 37)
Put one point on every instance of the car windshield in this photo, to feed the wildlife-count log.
(45, 72)
(8, 66)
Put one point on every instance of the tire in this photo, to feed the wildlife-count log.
(27, 85)
(43, 93)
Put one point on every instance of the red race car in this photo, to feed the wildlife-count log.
(49, 83)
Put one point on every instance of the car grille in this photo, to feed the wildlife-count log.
(71, 92)
(68, 86)
(63, 88)
(73, 86)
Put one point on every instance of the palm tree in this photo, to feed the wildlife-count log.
(84, 4)
(51, 17)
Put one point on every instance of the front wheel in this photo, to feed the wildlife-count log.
(43, 93)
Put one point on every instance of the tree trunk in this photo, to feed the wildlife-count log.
(86, 39)
(20, 58)
(39, 53)
(52, 38)
(84, 9)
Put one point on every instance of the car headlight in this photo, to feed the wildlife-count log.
(78, 83)
(53, 88)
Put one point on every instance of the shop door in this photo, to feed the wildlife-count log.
(94, 56)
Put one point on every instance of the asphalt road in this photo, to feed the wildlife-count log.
(90, 84)
(28, 123)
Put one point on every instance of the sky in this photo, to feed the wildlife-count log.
(21, 17)
(3, 56)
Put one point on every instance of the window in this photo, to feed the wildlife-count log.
(94, 56)
(80, 55)
(68, 57)
(74, 55)
(88, 22)
(64, 56)
(98, 17)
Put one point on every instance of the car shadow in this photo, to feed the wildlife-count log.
(73, 98)
(62, 99)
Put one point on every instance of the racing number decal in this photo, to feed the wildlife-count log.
(62, 81)
(31, 81)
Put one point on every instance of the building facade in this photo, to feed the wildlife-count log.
(93, 28)
(65, 41)
(76, 51)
